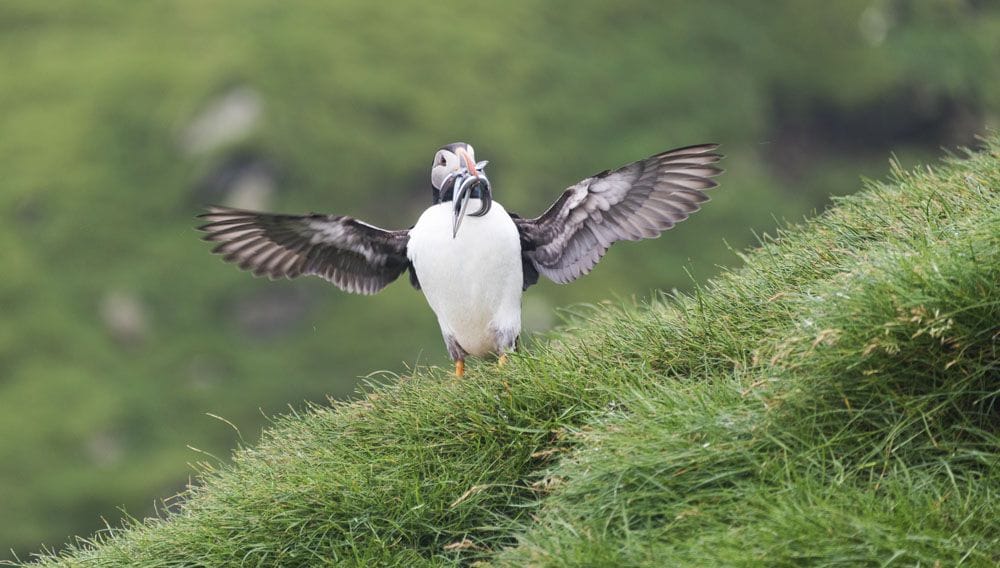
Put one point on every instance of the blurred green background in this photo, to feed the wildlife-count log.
(120, 335)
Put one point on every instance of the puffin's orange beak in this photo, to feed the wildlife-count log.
(469, 163)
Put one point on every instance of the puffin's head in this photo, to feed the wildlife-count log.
(457, 177)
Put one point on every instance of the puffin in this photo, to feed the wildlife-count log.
(471, 258)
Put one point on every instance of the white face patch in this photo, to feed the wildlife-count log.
(445, 162)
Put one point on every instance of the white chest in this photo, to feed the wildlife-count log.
(472, 281)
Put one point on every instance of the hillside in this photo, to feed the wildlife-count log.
(833, 401)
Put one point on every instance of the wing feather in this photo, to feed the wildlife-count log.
(637, 201)
(353, 255)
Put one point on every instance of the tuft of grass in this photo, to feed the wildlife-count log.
(832, 402)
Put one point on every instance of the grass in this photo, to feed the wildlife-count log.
(832, 402)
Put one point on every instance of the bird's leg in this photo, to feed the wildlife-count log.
(502, 360)
(457, 354)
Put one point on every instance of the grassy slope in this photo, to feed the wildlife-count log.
(834, 401)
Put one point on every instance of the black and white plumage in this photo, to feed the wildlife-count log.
(355, 256)
(470, 257)
(637, 201)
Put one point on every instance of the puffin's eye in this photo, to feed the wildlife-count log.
(443, 161)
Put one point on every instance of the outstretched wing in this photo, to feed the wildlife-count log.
(637, 201)
(353, 255)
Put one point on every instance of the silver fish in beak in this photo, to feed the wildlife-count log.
(465, 187)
